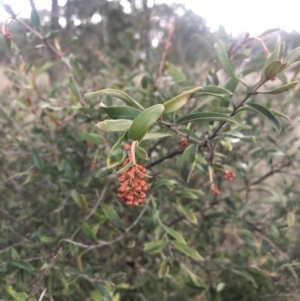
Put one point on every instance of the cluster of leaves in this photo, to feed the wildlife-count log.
(183, 242)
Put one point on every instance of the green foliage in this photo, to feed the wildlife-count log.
(213, 119)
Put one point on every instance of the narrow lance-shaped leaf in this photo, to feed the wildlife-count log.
(176, 235)
(144, 121)
(35, 20)
(22, 265)
(115, 155)
(152, 136)
(274, 56)
(90, 138)
(280, 89)
(215, 91)
(246, 275)
(37, 160)
(118, 94)
(112, 215)
(119, 125)
(205, 116)
(224, 61)
(281, 115)
(104, 293)
(154, 246)
(272, 70)
(187, 161)
(17, 296)
(187, 251)
(120, 112)
(175, 73)
(292, 56)
(291, 66)
(179, 101)
(263, 111)
(188, 213)
(141, 153)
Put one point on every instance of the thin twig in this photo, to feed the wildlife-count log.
(163, 57)
(108, 243)
(161, 159)
(91, 213)
(53, 49)
(44, 273)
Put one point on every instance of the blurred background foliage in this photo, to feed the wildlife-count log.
(56, 192)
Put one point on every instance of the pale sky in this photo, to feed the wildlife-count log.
(254, 16)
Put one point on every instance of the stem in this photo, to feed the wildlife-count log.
(56, 51)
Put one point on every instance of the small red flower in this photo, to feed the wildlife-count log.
(184, 143)
(214, 190)
(228, 175)
(132, 182)
(93, 165)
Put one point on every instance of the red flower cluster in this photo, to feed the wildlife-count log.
(184, 143)
(214, 190)
(228, 175)
(133, 186)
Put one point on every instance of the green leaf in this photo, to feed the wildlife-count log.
(152, 136)
(22, 265)
(280, 89)
(88, 231)
(192, 279)
(96, 295)
(90, 138)
(175, 73)
(15, 295)
(164, 268)
(263, 111)
(188, 213)
(112, 215)
(104, 293)
(291, 66)
(144, 121)
(118, 94)
(35, 20)
(47, 66)
(223, 58)
(176, 235)
(292, 56)
(119, 125)
(51, 34)
(272, 69)
(141, 153)
(120, 112)
(73, 88)
(290, 218)
(187, 251)
(115, 156)
(216, 92)
(80, 201)
(281, 115)
(245, 275)
(14, 254)
(37, 160)
(179, 101)
(187, 161)
(205, 116)
(154, 246)
(240, 136)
